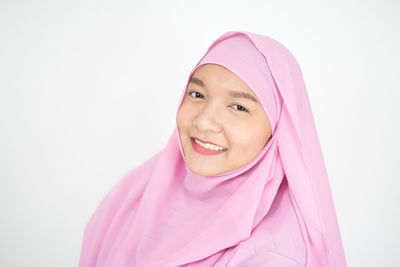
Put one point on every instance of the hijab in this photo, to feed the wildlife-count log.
(277, 210)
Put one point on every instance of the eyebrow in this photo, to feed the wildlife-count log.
(236, 94)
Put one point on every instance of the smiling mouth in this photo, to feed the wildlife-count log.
(204, 146)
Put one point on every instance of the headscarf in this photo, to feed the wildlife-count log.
(277, 210)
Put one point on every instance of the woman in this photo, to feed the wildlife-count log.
(241, 182)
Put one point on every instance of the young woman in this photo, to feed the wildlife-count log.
(241, 182)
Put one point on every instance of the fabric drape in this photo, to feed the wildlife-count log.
(277, 210)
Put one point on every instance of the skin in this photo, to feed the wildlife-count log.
(212, 114)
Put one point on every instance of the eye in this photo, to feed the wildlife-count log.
(240, 108)
(196, 94)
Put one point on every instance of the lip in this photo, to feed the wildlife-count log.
(206, 141)
(203, 150)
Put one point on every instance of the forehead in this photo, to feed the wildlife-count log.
(212, 76)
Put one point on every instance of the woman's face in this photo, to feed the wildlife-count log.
(219, 108)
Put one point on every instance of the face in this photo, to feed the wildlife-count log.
(221, 122)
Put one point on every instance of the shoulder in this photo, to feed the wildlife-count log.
(137, 176)
(130, 186)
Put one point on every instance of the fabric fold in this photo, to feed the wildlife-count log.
(277, 209)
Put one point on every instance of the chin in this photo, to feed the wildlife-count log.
(201, 172)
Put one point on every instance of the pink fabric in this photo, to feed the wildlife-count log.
(275, 211)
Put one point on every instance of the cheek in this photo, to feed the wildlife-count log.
(246, 137)
(180, 120)
(184, 116)
(238, 134)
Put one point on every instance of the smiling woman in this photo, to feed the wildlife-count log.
(220, 130)
(241, 182)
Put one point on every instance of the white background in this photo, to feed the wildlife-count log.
(89, 90)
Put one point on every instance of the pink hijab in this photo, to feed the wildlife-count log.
(277, 210)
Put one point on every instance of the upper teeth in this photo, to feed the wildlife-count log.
(209, 146)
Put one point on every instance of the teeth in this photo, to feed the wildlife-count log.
(209, 146)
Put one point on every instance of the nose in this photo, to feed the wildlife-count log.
(208, 120)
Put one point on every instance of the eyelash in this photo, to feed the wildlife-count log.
(197, 93)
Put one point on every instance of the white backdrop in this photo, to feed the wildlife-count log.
(89, 90)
